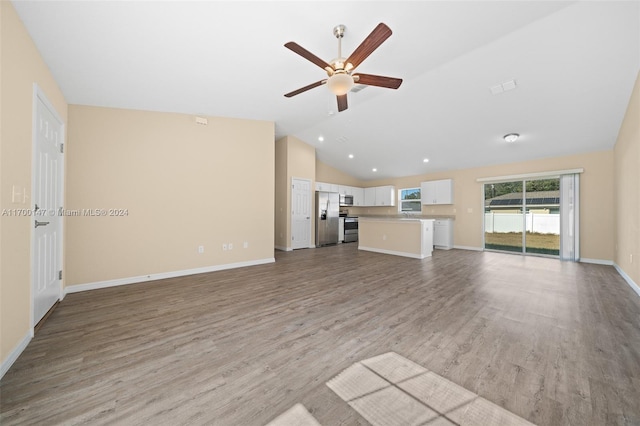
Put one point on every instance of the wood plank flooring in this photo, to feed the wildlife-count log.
(556, 343)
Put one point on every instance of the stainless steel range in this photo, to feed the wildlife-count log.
(350, 229)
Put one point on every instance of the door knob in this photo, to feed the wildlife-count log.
(41, 223)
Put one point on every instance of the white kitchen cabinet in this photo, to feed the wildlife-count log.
(443, 234)
(358, 196)
(344, 190)
(437, 192)
(321, 186)
(334, 187)
(370, 196)
(385, 196)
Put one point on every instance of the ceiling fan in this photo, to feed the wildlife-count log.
(340, 70)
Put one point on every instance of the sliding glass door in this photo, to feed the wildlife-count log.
(523, 216)
(503, 224)
(542, 216)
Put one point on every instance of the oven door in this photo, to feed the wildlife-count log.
(350, 229)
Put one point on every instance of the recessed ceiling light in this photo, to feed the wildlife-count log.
(511, 137)
(374, 170)
(321, 138)
(426, 160)
(350, 155)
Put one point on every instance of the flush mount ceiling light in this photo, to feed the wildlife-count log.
(511, 137)
(426, 160)
(350, 155)
(374, 170)
(321, 138)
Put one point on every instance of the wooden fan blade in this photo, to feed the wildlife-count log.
(305, 88)
(378, 80)
(342, 102)
(307, 55)
(371, 43)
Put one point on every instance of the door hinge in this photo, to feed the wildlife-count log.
(60, 274)
(61, 148)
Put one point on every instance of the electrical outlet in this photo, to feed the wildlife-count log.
(224, 247)
(631, 258)
(246, 244)
(469, 210)
(230, 246)
(200, 249)
(384, 237)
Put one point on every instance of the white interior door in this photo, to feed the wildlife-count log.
(300, 213)
(46, 203)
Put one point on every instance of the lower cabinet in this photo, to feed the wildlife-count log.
(443, 234)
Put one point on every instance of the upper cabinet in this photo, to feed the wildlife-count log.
(321, 186)
(328, 187)
(437, 192)
(379, 196)
(358, 196)
(385, 196)
(370, 196)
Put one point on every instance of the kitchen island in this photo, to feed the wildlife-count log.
(409, 237)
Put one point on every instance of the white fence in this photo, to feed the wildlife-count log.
(512, 222)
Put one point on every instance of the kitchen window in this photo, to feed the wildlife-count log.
(409, 200)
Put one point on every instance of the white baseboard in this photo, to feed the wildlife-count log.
(15, 353)
(468, 248)
(152, 277)
(597, 261)
(395, 253)
(283, 248)
(635, 287)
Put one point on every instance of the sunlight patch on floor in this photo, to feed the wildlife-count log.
(390, 390)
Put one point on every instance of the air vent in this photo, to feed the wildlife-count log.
(503, 87)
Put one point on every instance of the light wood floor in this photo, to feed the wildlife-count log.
(553, 342)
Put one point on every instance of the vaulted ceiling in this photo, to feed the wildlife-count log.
(573, 64)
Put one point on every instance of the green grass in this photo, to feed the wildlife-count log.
(512, 241)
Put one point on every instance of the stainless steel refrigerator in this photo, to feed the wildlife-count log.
(327, 218)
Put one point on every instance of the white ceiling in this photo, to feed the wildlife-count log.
(574, 63)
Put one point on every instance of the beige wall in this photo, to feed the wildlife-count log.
(326, 173)
(20, 67)
(294, 159)
(627, 189)
(281, 218)
(596, 199)
(184, 185)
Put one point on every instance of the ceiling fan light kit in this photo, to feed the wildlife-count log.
(340, 79)
(340, 83)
